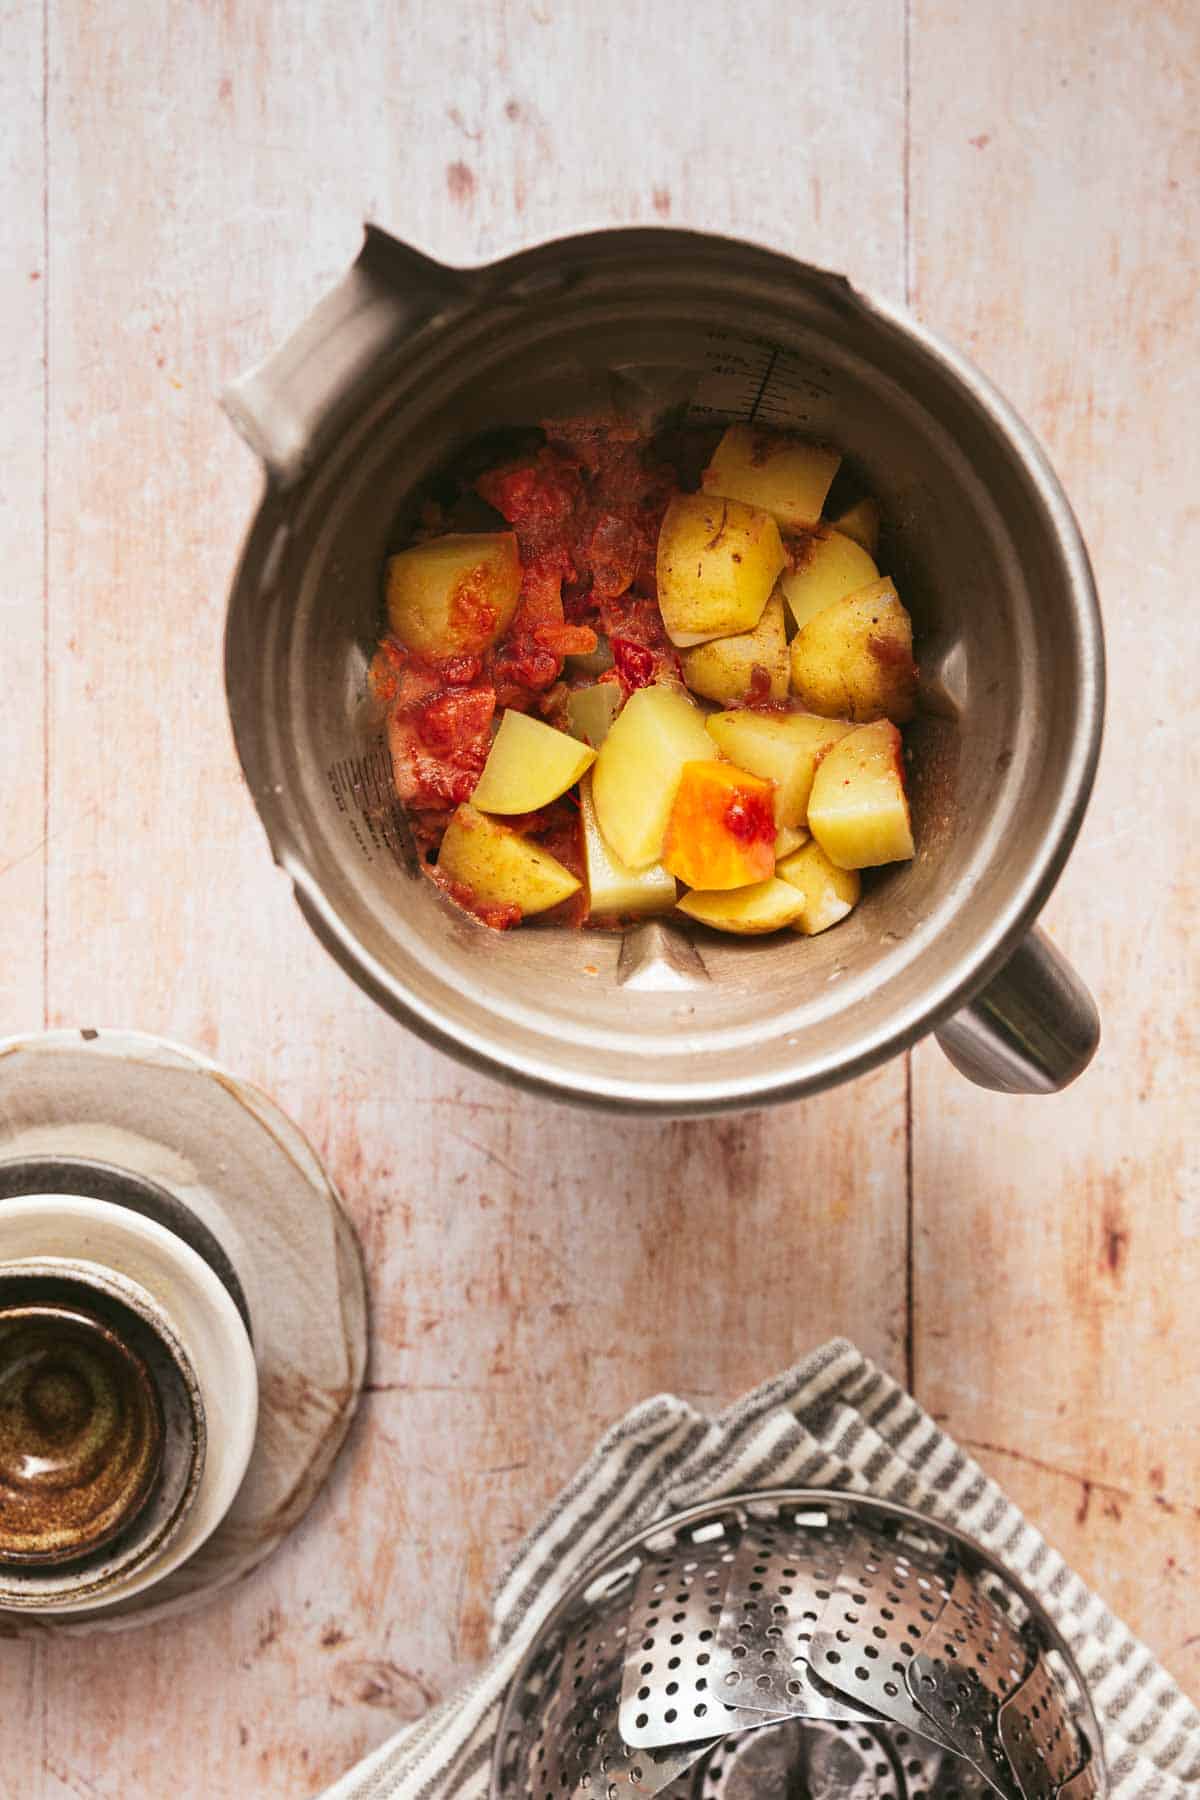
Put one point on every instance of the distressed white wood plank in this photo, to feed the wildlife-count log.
(210, 168)
(22, 715)
(1055, 215)
(22, 517)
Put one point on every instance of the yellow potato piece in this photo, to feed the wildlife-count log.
(724, 668)
(717, 563)
(787, 839)
(785, 476)
(854, 659)
(861, 522)
(528, 765)
(782, 747)
(638, 770)
(612, 888)
(858, 811)
(829, 892)
(748, 912)
(454, 595)
(828, 565)
(500, 866)
(591, 711)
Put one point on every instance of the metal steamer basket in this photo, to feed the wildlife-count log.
(798, 1643)
(406, 365)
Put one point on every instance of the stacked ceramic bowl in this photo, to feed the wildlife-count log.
(128, 1387)
(182, 1329)
(799, 1643)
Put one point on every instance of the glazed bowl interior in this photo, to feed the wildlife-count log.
(671, 1014)
(72, 1582)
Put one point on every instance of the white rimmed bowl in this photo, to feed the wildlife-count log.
(94, 1241)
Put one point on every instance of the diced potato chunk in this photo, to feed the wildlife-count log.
(787, 839)
(500, 866)
(453, 596)
(858, 811)
(854, 659)
(717, 563)
(529, 765)
(828, 566)
(861, 522)
(724, 668)
(612, 888)
(829, 892)
(785, 476)
(721, 832)
(782, 747)
(591, 711)
(748, 912)
(657, 731)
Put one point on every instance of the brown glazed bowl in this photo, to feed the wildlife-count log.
(103, 1434)
(81, 1433)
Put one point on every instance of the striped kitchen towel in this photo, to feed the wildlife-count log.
(835, 1420)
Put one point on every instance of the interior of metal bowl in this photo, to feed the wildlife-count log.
(752, 1584)
(978, 540)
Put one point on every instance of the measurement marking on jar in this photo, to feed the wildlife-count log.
(762, 386)
(362, 791)
(749, 379)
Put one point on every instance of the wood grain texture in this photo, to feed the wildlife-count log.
(534, 1270)
(23, 849)
(1055, 217)
(22, 514)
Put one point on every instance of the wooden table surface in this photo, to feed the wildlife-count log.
(180, 183)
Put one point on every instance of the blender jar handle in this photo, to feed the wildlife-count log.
(1031, 1030)
(291, 406)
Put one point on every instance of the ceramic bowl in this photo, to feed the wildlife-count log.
(81, 1432)
(76, 1561)
(93, 1242)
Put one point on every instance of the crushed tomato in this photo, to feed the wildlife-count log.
(585, 507)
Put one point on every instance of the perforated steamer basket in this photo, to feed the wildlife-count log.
(798, 1642)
